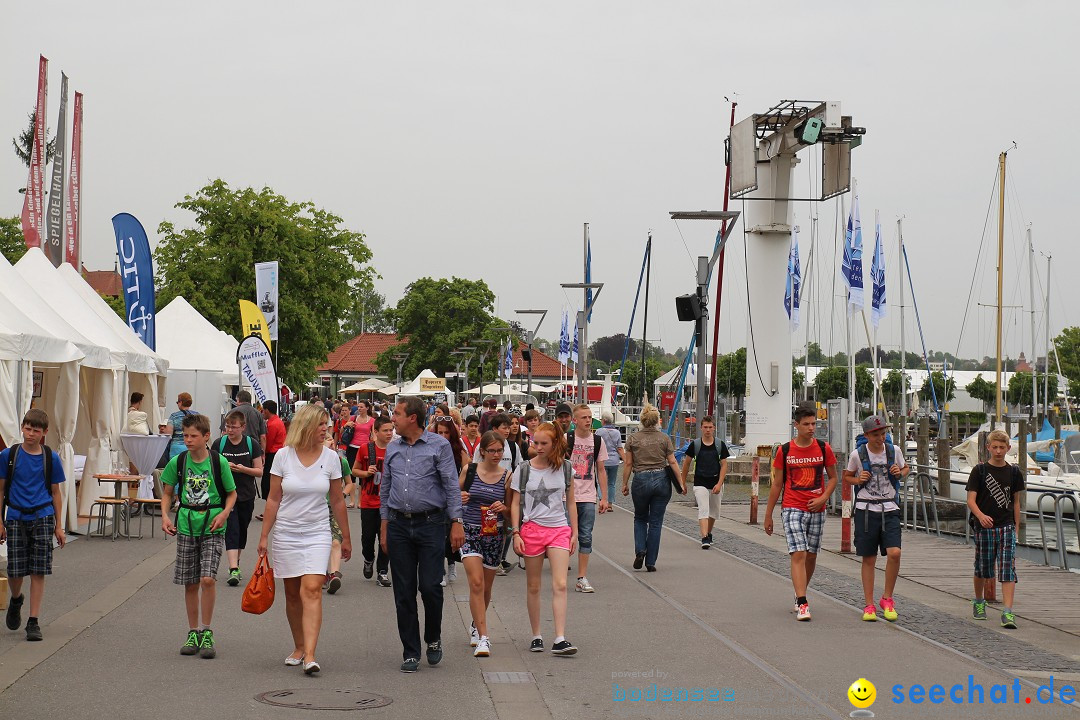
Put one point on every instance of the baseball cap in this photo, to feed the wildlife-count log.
(562, 408)
(874, 422)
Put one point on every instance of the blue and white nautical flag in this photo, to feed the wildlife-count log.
(574, 346)
(853, 263)
(564, 338)
(877, 275)
(508, 359)
(588, 279)
(793, 286)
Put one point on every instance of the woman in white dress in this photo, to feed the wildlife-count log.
(300, 482)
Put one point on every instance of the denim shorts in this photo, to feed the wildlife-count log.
(586, 520)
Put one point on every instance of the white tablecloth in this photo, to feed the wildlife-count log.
(144, 452)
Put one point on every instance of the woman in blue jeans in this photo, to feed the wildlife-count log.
(647, 453)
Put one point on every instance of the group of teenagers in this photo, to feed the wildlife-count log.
(427, 490)
(804, 474)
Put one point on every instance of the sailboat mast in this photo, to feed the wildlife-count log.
(1000, 280)
(1046, 370)
(1034, 352)
(903, 352)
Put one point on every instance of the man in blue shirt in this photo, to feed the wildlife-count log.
(31, 474)
(418, 495)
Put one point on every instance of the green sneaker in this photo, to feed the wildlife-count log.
(234, 577)
(978, 609)
(191, 647)
(1008, 621)
(206, 644)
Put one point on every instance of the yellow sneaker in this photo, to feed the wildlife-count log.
(869, 613)
(888, 609)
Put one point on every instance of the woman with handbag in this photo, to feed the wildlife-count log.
(483, 499)
(650, 455)
(300, 481)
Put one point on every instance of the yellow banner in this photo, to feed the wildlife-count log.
(253, 321)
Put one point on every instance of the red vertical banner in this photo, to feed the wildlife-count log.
(33, 212)
(71, 223)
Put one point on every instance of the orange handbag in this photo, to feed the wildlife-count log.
(259, 593)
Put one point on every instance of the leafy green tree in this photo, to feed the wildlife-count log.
(894, 384)
(832, 382)
(797, 378)
(435, 317)
(731, 374)
(24, 142)
(367, 312)
(981, 389)
(117, 305)
(1068, 352)
(938, 378)
(610, 348)
(212, 266)
(1019, 391)
(12, 242)
(632, 378)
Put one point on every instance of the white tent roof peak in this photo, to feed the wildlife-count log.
(191, 342)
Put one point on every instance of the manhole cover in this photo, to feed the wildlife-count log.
(508, 677)
(324, 699)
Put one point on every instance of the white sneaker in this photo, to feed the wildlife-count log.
(583, 585)
(474, 636)
(452, 575)
(804, 612)
(443, 581)
(483, 647)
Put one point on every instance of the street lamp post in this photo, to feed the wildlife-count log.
(583, 334)
(486, 345)
(401, 358)
(530, 337)
(457, 367)
(704, 271)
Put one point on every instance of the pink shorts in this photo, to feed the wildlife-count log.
(538, 538)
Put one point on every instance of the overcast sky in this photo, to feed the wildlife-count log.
(475, 138)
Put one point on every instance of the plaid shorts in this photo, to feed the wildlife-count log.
(803, 529)
(197, 556)
(996, 543)
(30, 546)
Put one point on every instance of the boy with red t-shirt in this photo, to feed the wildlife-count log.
(368, 472)
(805, 470)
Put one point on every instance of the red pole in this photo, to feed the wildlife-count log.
(720, 286)
(755, 477)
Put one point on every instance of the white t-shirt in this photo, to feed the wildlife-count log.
(544, 499)
(879, 486)
(304, 489)
(506, 462)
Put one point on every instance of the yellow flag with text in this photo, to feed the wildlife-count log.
(254, 321)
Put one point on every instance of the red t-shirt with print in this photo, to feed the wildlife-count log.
(369, 491)
(804, 479)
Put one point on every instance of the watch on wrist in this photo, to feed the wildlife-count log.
(457, 520)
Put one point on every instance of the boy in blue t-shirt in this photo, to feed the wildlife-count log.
(32, 497)
(207, 494)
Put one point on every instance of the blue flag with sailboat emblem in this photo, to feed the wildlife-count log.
(853, 261)
(793, 286)
(877, 275)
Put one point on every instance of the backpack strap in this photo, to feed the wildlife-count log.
(470, 477)
(784, 449)
(821, 470)
(513, 453)
(523, 477)
(372, 456)
(568, 474)
(597, 441)
(697, 447)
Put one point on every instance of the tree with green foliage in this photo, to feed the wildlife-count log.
(24, 142)
(212, 266)
(982, 389)
(1067, 344)
(366, 312)
(632, 377)
(116, 304)
(938, 378)
(832, 382)
(1019, 391)
(436, 316)
(12, 242)
(731, 375)
(894, 384)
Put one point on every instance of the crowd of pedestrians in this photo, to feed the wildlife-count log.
(437, 486)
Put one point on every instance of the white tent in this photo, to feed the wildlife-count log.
(202, 359)
(413, 387)
(369, 385)
(79, 401)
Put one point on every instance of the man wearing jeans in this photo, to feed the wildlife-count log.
(418, 494)
(613, 444)
(586, 453)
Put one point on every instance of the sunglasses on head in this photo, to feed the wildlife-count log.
(444, 418)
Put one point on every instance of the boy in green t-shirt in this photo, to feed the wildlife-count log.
(207, 495)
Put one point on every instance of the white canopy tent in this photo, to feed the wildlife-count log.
(202, 359)
(369, 385)
(72, 395)
(413, 387)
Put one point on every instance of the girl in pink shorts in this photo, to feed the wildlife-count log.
(540, 491)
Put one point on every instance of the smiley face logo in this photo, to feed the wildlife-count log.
(862, 693)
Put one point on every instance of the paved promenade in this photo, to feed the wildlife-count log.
(719, 619)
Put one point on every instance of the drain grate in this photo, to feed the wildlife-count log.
(324, 699)
(508, 677)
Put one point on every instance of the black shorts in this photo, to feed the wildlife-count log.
(236, 527)
(876, 531)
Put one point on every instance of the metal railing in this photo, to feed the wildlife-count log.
(917, 488)
(1062, 550)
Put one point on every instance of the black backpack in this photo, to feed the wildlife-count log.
(215, 473)
(11, 474)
